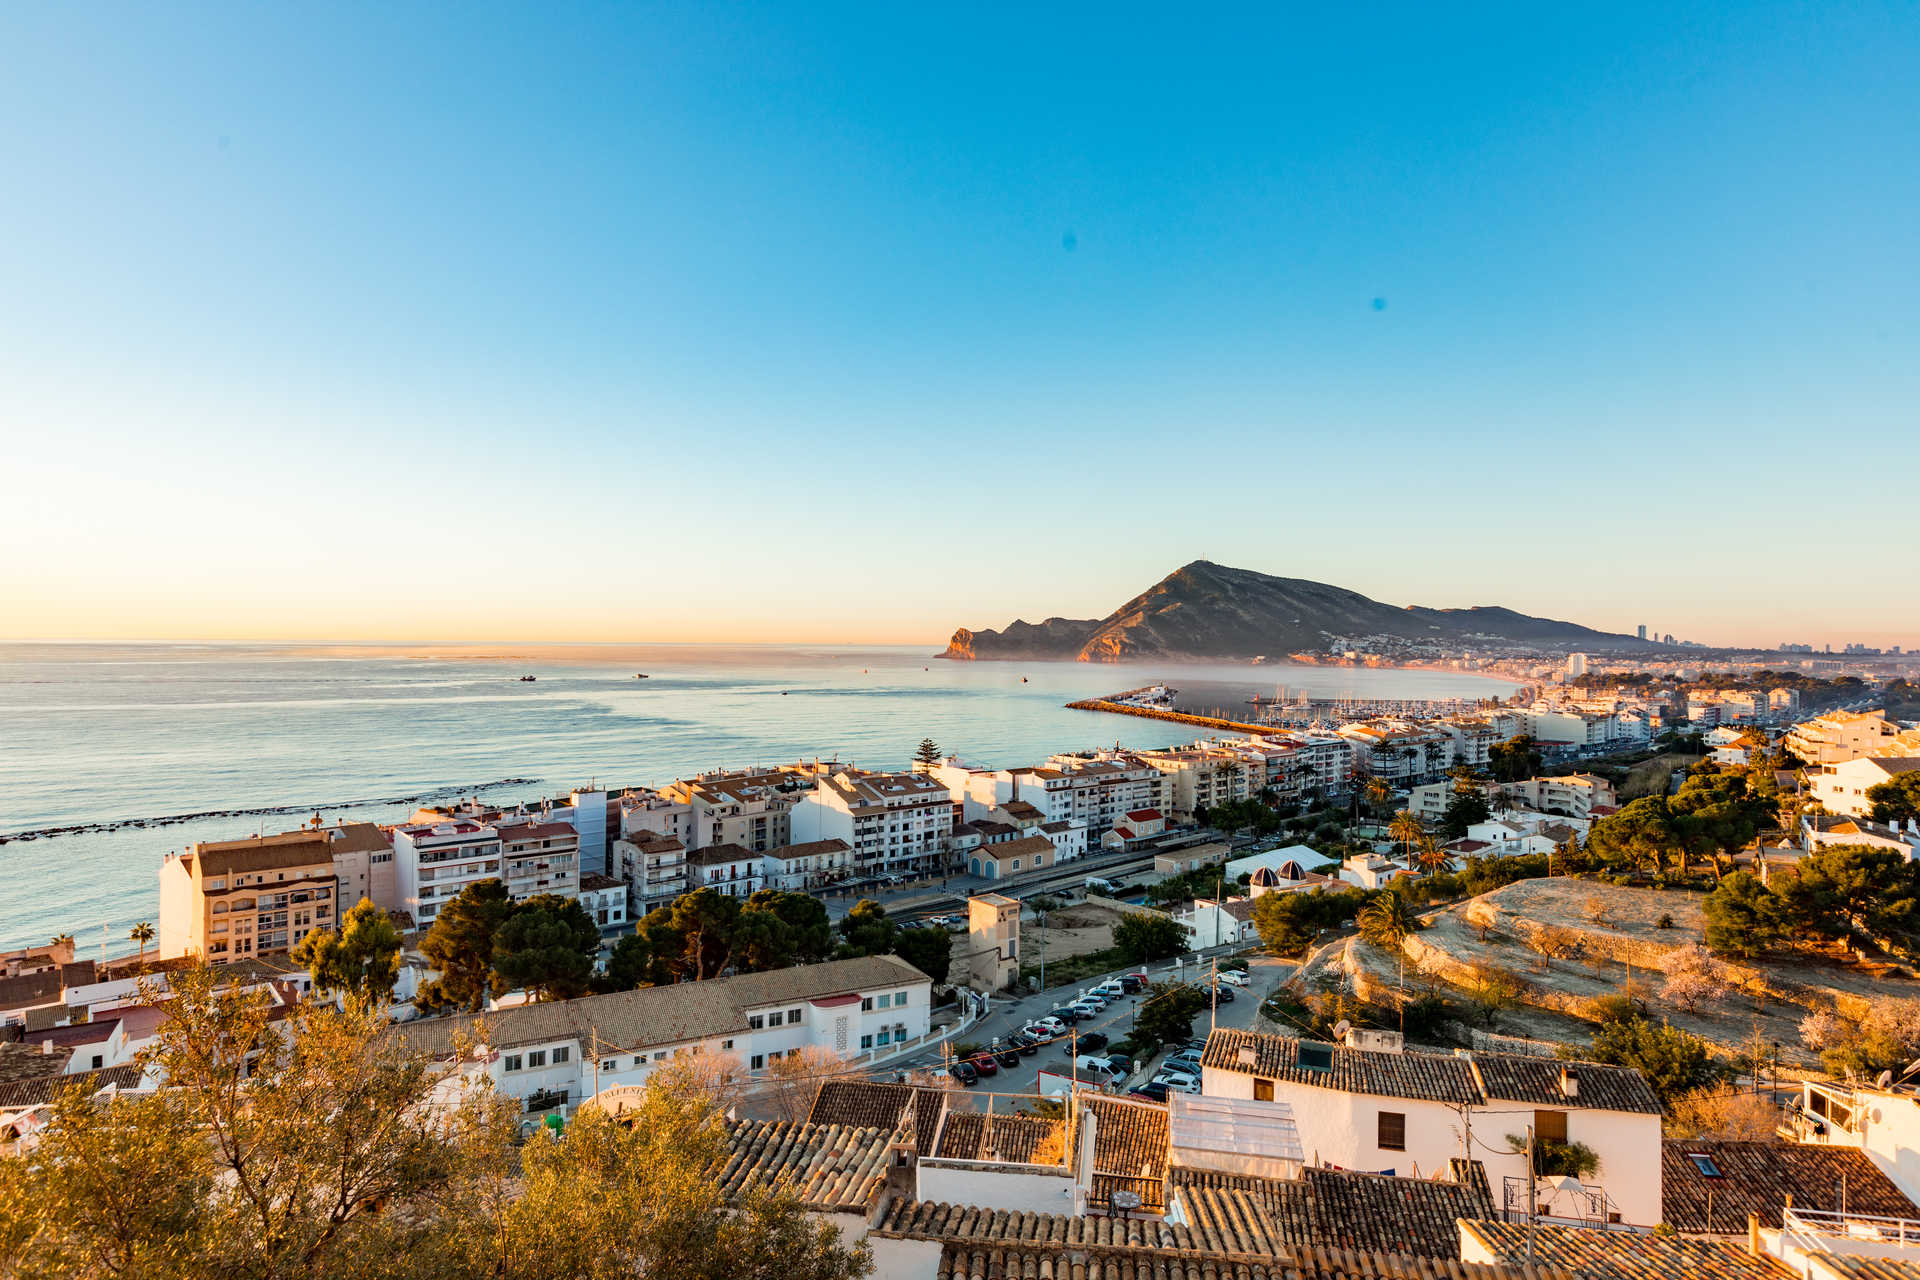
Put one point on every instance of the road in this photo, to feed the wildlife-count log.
(1008, 1015)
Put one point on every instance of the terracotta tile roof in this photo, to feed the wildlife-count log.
(675, 1014)
(1130, 1142)
(829, 1166)
(1592, 1254)
(1853, 1266)
(27, 1062)
(1518, 1078)
(1024, 847)
(27, 1093)
(1433, 1076)
(809, 849)
(973, 1135)
(986, 1228)
(1373, 1211)
(881, 1106)
(713, 854)
(1757, 1177)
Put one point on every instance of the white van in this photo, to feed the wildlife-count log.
(1100, 884)
(1097, 1066)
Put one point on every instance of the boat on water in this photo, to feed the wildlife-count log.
(528, 679)
(639, 675)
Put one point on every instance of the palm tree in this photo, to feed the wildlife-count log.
(1386, 921)
(1407, 829)
(1379, 795)
(1431, 858)
(142, 933)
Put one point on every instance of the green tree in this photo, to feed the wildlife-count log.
(1673, 1062)
(927, 753)
(1719, 812)
(460, 946)
(142, 934)
(1140, 937)
(809, 933)
(1743, 916)
(546, 947)
(867, 930)
(1465, 807)
(1857, 895)
(1408, 830)
(1514, 760)
(930, 950)
(634, 963)
(703, 921)
(1387, 920)
(1166, 1015)
(361, 962)
(1897, 799)
(1644, 833)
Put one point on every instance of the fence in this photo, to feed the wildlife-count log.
(1491, 1042)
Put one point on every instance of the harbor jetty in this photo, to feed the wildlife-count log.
(1162, 713)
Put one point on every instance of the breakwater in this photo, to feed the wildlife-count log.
(1176, 717)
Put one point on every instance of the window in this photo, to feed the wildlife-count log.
(756, 1022)
(726, 1044)
(884, 1038)
(775, 1018)
(883, 1001)
(661, 1056)
(1550, 1126)
(513, 1062)
(611, 1064)
(561, 1054)
(866, 1042)
(757, 1063)
(793, 1016)
(1315, 1057)
(538, 1058)
(1393, 1131)
(899, 999)
(1704, 1163)
(1262, 1090)
(866, 1004)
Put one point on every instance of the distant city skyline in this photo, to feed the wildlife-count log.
(693, 323)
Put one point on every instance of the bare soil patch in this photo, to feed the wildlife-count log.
(1071, 931)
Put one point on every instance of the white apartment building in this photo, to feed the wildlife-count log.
(895, 823)
(552, 1055)
(1096, 789)
(1199, 776)
(605, 900)
(433, 862)
(654, 868)
(802, 867)
(1842, 787)
(726, 868)
(1388, 1110)
(1571, 795)
(1848, 735)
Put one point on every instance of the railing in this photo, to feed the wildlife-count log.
(1809, 1227)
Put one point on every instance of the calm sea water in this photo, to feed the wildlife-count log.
(105, 736)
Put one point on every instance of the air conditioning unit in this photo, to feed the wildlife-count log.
(1376, 1040)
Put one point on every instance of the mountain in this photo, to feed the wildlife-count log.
(1206, 610)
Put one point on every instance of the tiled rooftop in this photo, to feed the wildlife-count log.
(881, 1106)
(1757, 1177)
(1517, 1078)
(829, 1166)
(1593, 1254)
(973, 1135)
(1129, 1148)
(1439, 1077)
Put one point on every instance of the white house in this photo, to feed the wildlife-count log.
(1389, 1110)
(1842, 787)
(552, 1055)
(895, 823)
(726, 868)
(1209, 922)
(799, 867)
(605, 900)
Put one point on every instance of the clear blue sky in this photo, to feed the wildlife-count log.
(813, 322)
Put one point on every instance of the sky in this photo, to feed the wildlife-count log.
(834, 323)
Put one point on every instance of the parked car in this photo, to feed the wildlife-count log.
(1048, 1026)
(1088, 1008)
(1094, 1065)
(1069, 1013)
(1121, 1063)
(1177, 1081)
(1110, 990)
(1090, 996)
(1094, 1040)
(963, 1072)
(1152, 1091)
(1021, 1042)
(1235, 977)
(1007, 1057)
(1223, 995)
(1130, 983)
(1186, 1060)
(983, 1063)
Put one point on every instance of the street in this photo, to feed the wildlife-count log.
(1007, 1016)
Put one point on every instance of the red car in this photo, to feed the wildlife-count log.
(984, 1064)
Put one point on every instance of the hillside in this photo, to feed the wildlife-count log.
(1206, 610)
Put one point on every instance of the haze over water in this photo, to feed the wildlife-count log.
(105, 734)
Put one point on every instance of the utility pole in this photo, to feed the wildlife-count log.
(1532, 1220)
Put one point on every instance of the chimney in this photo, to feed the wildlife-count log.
(1753, 1234)
(1569, 1083)
(46, 1046)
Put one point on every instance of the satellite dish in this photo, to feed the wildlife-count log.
(1884, 1079)
(1341, 1028)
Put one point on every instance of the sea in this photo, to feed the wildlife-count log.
(111, 756)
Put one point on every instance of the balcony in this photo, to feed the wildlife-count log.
(1861, 1234)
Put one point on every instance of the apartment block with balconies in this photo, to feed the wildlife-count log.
(228, 900)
